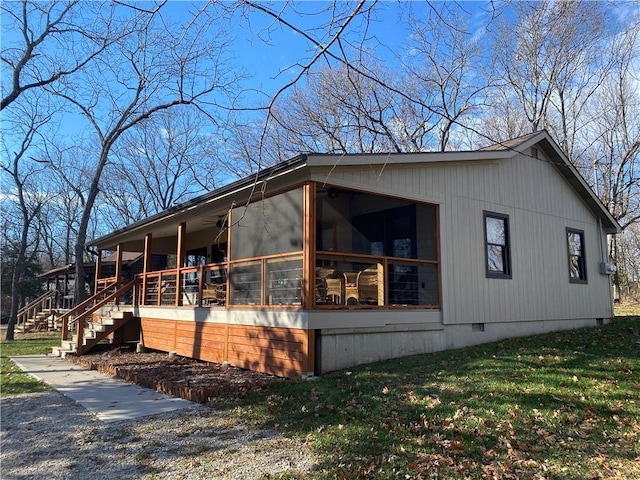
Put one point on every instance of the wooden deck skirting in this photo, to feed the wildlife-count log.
(277, 351)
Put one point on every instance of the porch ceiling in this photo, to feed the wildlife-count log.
(203, 212)
(200, 217)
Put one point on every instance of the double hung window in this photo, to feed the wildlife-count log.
(577, 263)
(497, 245)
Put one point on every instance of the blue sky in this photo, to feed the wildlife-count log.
(271, 54)
(271, 51)
(388, 32)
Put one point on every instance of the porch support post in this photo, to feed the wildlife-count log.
(118, 264)
(146, 267)
(309, 347)
(118, 270)
(180, 252)
(309, 269)
(98, 271)
(227, 265)
(309, 246)
(200, 284)
(65, 291)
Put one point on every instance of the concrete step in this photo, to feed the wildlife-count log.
(25, 327)
(108, 321)
(67, 347)
(62, 352)
(118, 315)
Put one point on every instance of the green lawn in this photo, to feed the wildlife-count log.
(560, 406)
(556, 406)
(627, 309)
(12, 380)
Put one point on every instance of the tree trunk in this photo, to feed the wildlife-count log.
(16, 278)
(613, 254)
(80, 292)
(15, 299)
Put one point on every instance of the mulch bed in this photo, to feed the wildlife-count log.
(177, 376)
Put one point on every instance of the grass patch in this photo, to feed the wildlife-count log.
(14, 381)
(627, 309)
(556, 406)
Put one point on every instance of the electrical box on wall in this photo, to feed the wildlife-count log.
(608, 268)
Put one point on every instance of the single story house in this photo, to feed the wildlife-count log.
(326, 261)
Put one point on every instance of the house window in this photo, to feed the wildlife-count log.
(497, 245)
(577, 263)
(196, 257)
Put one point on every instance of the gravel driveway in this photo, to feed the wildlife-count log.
(48, 436)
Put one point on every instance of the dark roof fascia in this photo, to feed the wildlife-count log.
(71, 267)
(359, 159)
(205, 198)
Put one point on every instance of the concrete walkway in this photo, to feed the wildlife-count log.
(111, 399)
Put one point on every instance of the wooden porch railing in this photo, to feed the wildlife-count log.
(103, 283)
(79, 313)
(42, 303)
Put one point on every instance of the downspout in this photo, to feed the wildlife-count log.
(604, 256)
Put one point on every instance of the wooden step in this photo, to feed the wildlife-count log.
(94, 333)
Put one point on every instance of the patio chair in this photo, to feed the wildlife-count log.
(351, 287)
(334, 290)
(367, 283)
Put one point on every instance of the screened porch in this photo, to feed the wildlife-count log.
(308, 247)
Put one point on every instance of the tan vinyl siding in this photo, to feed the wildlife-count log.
(540, 205)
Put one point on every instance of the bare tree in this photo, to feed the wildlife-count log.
(628, 259)
(68, 175)
(26, 123)
(550, 59)
(49, 42)
(615, 152)
(161, 161)
(612, 151)
(443, 68)
(345, 100)
(328, 41)
(158, 65)
(501, 120)
(339, 111)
